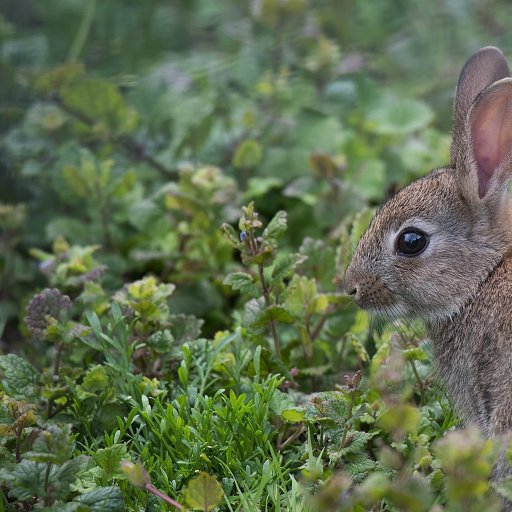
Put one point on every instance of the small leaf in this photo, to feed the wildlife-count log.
(135, 473)
(293, 415)
(18, 377)
(415, 354)
(109, 459)
(280, 314)
(231, 235)
(244, 283)
(276, 227)
(285, 266)
(103, 499)
(247, 155)
(203, 492)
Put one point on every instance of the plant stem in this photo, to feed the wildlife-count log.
(56, 367)
(47, 498)
(19, 431)
(266, 296)
(153, 490)
(292, 438)
(318, 328)
(83, 31)
(346, 428)
(420, 382)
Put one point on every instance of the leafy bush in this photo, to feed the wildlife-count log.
(181, 186)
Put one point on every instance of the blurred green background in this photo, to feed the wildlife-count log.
(107, 109)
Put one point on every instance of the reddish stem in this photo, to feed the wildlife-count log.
(153, 490)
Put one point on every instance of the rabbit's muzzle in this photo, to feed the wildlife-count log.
(368, 290)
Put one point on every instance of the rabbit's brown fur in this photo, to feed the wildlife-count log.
(461, 284)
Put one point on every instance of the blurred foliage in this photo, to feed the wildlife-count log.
(147, 315)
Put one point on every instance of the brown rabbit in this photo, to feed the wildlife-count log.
(441, 249)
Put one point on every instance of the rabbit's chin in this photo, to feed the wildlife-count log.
(399, 310)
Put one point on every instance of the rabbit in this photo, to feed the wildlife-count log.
(441, 250)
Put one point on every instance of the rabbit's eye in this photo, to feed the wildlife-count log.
(411, 242)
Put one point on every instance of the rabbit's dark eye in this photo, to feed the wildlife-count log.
(411, 242)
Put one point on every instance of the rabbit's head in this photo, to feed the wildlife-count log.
(429, 247)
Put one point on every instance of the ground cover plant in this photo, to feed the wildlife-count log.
(181, 187)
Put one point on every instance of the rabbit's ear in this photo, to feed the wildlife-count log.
(488, 164)
(486, 66)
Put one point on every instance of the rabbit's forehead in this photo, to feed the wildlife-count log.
(428, 200)
(425, 204)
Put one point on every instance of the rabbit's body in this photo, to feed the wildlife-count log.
(441, 250)
(474, 360)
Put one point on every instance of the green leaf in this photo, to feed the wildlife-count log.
(285, 266)
(415, 354)
(355, 443)
(26, 480)
(295, 415)
(18, 377)
(403, 417)
(244, 283)
(53, 445)
(95, 381)
(109, 459)
(61, 477)
(203, 492)
(231, 235)
(103, 499)
(369, 179)
(279, 314)
(391, 116)
(276, 227)
(99, 102)
(248, 154)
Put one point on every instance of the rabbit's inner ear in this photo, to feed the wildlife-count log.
(491, 136)
(482, 69)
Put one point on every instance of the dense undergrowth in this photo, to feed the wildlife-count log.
(181, 186)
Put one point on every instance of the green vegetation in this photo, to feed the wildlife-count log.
(181, 185)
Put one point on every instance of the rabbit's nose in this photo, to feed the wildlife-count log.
(354, 291)
(350, 288)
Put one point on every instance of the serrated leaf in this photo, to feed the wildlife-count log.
(244, 283)
(285, 266)
(95, 380)
(61, 477)
(231, 235)
(279, 314)
(109, 459)
(18, 377)
(53, 445)
(355, 442)
(103, 499)
(203, 492)
(26, 480)
(276, 227)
